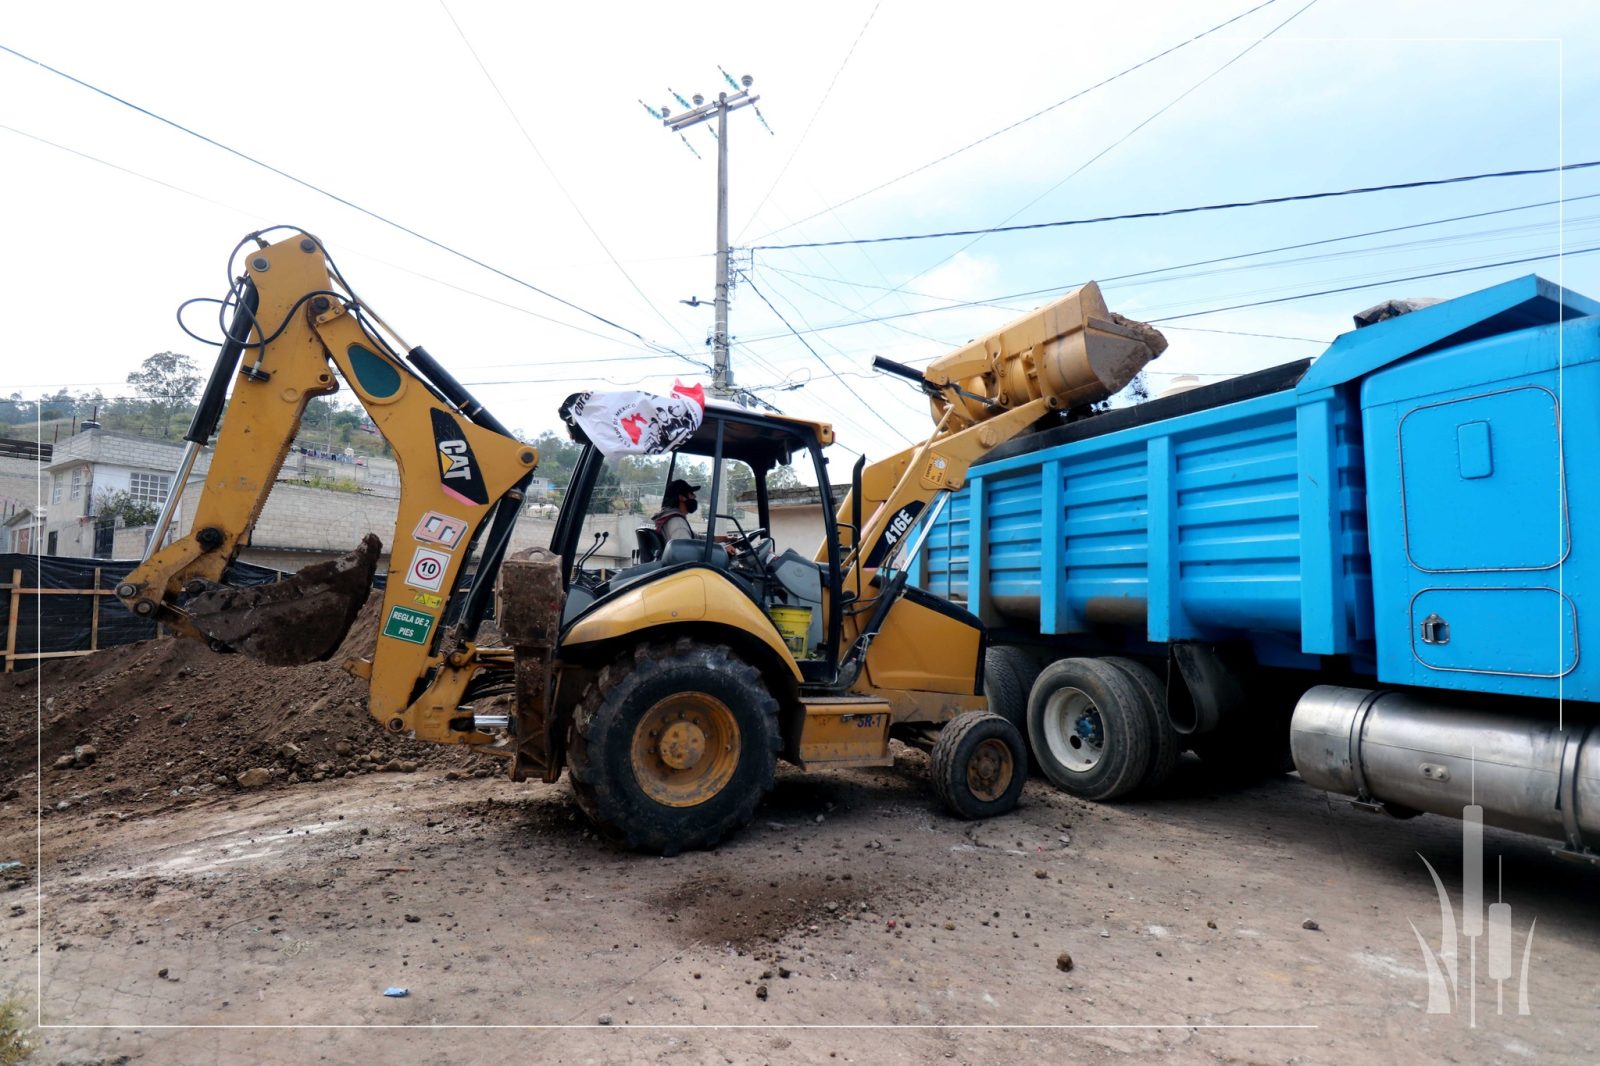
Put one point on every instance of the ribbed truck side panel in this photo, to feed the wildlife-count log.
(1188, 528)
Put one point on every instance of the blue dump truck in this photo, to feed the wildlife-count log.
(1376, 561)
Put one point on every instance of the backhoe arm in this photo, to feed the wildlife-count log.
(462, 479)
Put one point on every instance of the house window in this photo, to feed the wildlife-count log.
(149, 488)
(77, 482)
(55, 489)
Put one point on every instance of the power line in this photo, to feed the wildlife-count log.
(828, 299)
(795, 307)
(826, 365)
(526, 136)
(1187, 210)
(335, 197)
(1355, 236)
(813, 121)
(994, 301)
(1081, 167)
(125, 170)
(376, 259)
(1387, 281)
(1020, 122)
(1243, 333)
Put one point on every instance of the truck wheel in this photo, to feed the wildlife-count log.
(1089, 729)
(674, 746)
(979, 765)
(1008, 673)
(1164, 744)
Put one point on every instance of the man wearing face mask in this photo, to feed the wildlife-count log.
(677, 503)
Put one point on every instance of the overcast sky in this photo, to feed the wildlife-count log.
(514, 134)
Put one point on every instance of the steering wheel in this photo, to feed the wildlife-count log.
(748, 542)
(746, 545)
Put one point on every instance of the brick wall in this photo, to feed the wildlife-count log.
(18, 484)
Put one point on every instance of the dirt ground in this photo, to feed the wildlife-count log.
(854, 921)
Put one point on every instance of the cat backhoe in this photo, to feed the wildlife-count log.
(668, 687)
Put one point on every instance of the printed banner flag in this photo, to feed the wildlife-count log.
(636, 423)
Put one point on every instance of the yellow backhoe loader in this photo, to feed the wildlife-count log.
(668, 685)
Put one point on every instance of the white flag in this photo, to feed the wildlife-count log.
(636, 423)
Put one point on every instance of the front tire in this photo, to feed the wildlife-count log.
(1089, 728)
(674, 746)
(979, 765)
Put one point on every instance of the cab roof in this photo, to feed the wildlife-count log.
(761, 439)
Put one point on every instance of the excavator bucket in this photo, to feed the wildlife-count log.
(302, 619)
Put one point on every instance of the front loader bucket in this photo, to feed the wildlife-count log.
(302, 619)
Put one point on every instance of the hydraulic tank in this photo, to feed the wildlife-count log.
(1535, 774)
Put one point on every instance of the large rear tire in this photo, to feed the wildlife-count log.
(1089, 729)
(1165, 747)
(1008, 674)
(674, 746)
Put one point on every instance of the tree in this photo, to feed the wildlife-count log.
(168, 382)
(109, 506)
(783, 477)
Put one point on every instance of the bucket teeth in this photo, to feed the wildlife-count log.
(301, 619)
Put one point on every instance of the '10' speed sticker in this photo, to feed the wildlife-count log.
(427, 569)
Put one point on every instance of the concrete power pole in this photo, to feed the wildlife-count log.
(722, 374)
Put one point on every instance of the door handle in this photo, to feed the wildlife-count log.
(1435, 630)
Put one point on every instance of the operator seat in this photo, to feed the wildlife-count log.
(650, 543)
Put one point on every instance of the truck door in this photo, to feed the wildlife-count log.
(1486, 531)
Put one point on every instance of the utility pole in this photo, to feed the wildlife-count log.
(722, 374)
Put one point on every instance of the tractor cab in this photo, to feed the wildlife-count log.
(756, 521)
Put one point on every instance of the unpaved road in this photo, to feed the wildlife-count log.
(295, 908)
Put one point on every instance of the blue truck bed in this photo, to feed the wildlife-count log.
(1412, 501)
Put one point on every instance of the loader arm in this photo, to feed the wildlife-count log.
(1068, 353)
(462, 479)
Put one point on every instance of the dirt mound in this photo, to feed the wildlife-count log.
(169, 717)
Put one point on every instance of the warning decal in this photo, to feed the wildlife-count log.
(410, 626)
(442, 529)
(427, 569)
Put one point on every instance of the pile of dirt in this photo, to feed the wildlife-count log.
(170, 717)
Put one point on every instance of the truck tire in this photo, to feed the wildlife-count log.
(674, 746)
(1164, 744)
(1089, 729)
(979, 765)
(1008, 674)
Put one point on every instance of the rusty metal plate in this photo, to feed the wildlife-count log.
(845, 732)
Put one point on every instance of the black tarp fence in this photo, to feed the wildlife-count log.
(65, 623)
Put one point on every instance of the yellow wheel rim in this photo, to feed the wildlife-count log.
(989, 770)
(685, 749)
